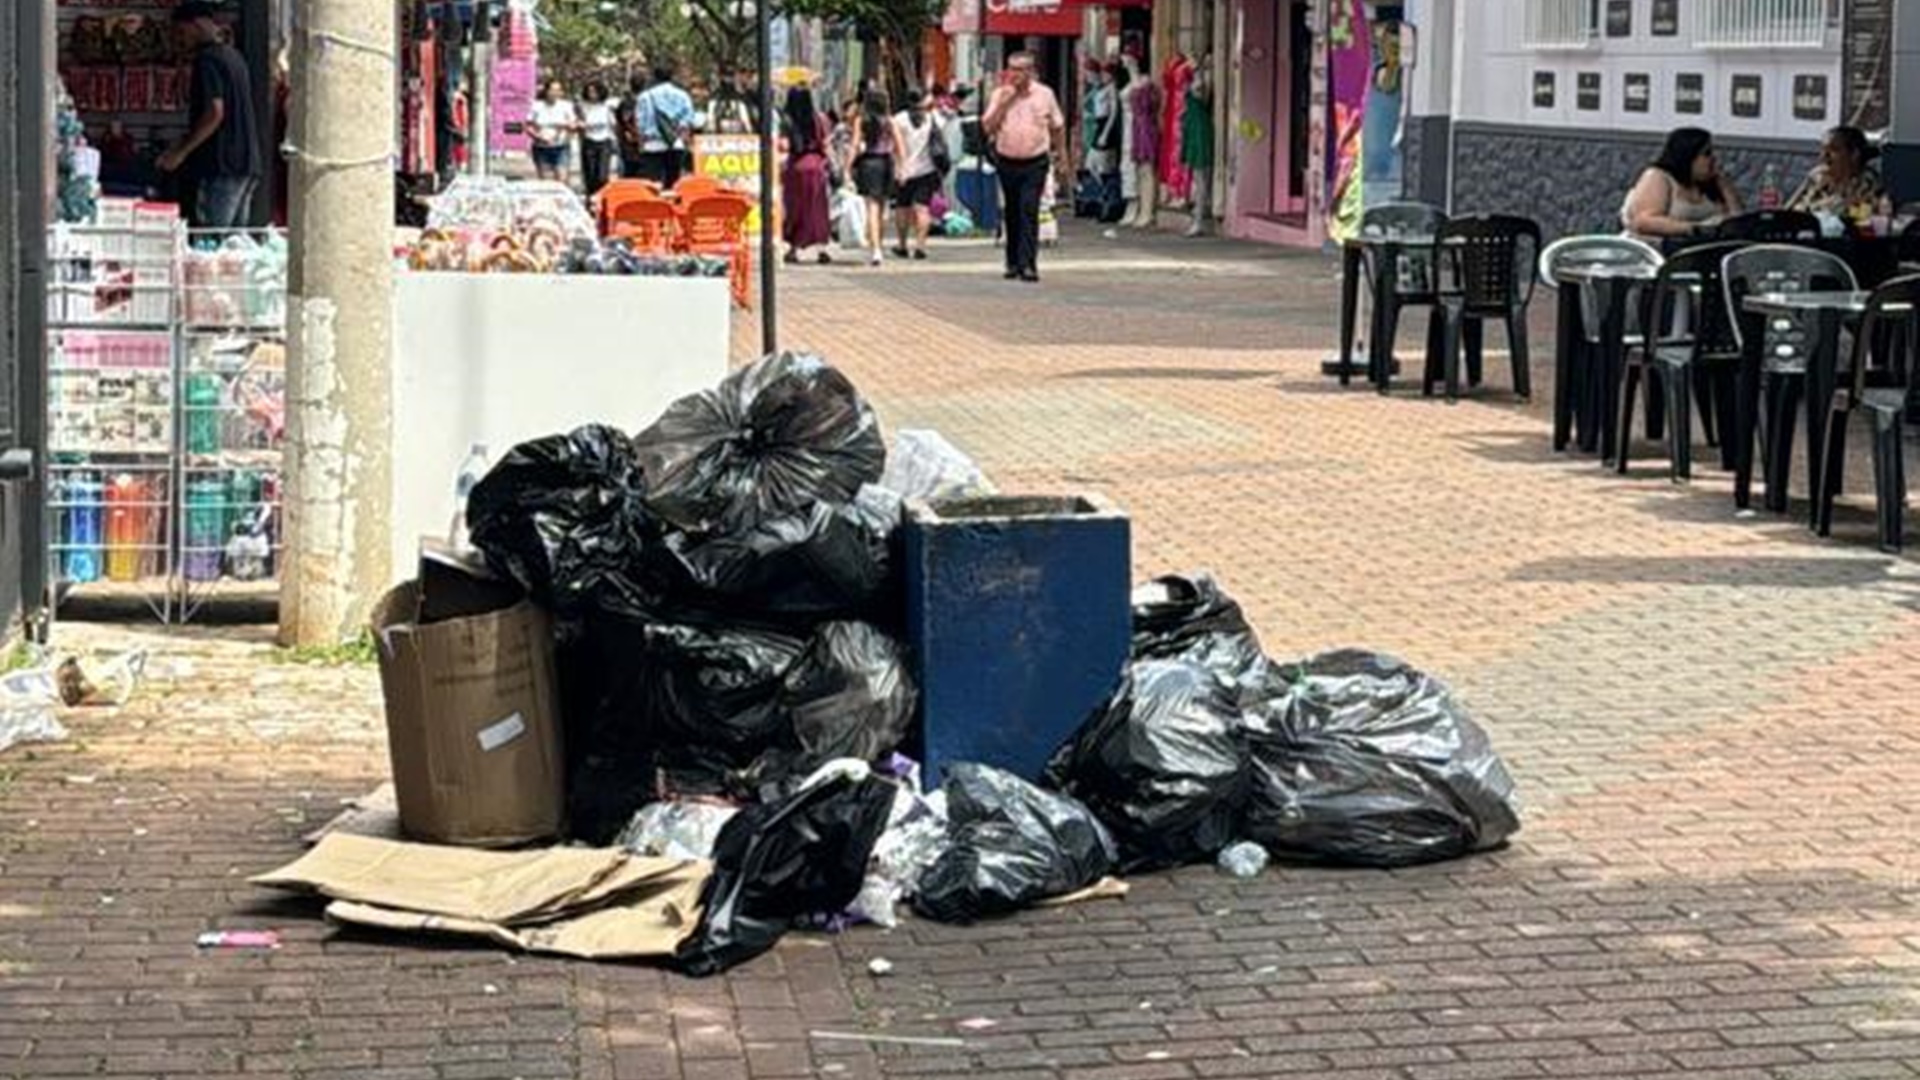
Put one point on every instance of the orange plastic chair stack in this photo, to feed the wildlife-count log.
(651, 225)
(697, 187)
(617, 194)
(717, 225)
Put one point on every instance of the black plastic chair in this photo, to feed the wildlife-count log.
(1705, 348)
(1486, 268)
(1770, 227)
(1579, 326)
(1774, 368)
(1415, 275)
(1881, 391)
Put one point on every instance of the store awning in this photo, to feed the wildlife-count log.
(1022, 18)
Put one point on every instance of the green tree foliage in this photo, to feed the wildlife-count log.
(898, 26)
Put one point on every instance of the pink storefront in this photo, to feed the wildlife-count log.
(1313, 135)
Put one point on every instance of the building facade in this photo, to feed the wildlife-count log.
(1547, 108)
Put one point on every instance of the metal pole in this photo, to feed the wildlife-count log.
(480, 103)
(769, 314)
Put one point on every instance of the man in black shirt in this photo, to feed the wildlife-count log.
(219, 159)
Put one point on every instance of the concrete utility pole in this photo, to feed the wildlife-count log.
(339, 489)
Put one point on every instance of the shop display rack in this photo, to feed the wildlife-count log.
(166, 410)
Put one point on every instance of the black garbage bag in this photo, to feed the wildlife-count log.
(1192, 618)
(710, 700)
(779, 861)
(1163, 764)
(1012, 845)
(826, 561)
(564, 517)
(770, 441)
(1364, 761)
(849, 695)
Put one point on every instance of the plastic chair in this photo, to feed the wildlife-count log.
(1580, 308)
(717, 225)
(1770, 227)
(1486, 266)
(697, 187)
(1415, 274)
(1779, 376)
(1706, 350)
(652, 225)
(616, 194)
(1882, 392)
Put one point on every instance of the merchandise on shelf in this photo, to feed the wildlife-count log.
(240, 280)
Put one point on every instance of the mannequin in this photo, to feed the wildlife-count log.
(1176, 79)
(1196, 145)
(1138, 95)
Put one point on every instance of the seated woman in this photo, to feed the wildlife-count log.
(1844, 183)
(1682, 193)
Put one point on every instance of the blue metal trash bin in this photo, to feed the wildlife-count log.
(979, 191)
(1018, 622)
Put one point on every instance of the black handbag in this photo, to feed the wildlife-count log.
(937, 150)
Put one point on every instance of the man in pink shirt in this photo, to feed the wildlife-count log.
(1024, 122)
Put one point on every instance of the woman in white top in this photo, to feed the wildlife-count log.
(916, 174)
(1682, 193)
(598, 130)
(553, 121)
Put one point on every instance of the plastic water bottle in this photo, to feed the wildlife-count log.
(471, 470)
(1770, 187)
(1245, 859)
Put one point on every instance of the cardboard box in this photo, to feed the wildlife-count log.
(473, 713)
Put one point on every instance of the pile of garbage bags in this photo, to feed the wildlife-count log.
(724, 586)
(1348, 758)
(734, 688)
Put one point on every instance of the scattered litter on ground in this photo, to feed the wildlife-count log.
(27, 701)
(1245, 859)
(895, 1040)
(880, 966)
(239, 939)
(977, 1023)
(375, 814)
(108, 681)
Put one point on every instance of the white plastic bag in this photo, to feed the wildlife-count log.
(27, 700)
(924, 465)
(849, 219)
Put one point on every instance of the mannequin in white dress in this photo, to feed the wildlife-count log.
(1140, 174)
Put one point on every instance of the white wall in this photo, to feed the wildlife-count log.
(1496, 77)
(501, 358)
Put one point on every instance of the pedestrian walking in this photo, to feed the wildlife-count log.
(555, 121)
(1026, 129)
(626, 121)
(597, 135)
(875, 143)
(918, 172)
(803, 182)
(665, 118)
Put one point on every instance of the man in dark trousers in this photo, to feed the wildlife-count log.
(1027, 130)
(219, 159)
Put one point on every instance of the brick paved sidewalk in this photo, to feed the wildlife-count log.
(1709, 718)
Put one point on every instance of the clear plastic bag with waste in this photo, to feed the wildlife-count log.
(28, 698)
(1011, 845)
(1365, 761)
(924, 465)
(676, 829)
